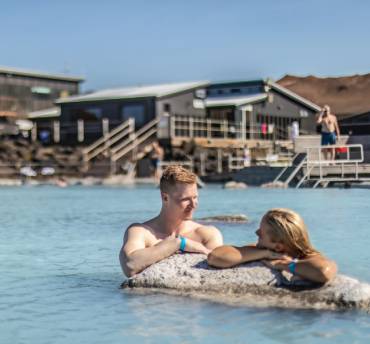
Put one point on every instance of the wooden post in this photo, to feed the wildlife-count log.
(191, 127)
(56, 131)
(34, 132)
(105, 126)
(172, 127)
(80, 130)
(244, 125)
(202, 164)
(209, 128)
(219, 160)
(226, 129)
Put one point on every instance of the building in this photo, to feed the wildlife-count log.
(24, 91)
(235, 109)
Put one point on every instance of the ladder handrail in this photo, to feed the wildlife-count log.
(284, 169)
(309, 169)
(104, 139)
(299, 166)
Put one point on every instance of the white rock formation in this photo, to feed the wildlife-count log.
(248, 285)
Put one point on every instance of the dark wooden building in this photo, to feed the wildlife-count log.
(23, 91)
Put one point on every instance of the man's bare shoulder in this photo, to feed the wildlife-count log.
(136, 229)
(205, 229)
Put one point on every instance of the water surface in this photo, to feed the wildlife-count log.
(60, 276)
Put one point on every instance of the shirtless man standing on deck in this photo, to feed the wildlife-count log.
(329, 131)
(172, 230)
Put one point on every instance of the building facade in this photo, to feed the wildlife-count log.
(22, 91)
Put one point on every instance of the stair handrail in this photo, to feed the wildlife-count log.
(106, 141)
(135, 139)
(296, 170)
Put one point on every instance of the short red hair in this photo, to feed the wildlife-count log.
(176, 174)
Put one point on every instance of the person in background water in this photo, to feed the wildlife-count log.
(156, 156)
(329, 131)
(283, 244)
(173, 230)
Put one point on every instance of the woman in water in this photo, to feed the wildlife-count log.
(283, 244)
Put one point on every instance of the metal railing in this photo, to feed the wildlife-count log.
(346, 155)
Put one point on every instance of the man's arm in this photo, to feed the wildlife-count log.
(319, 117)
(135, 256)
(317, 269)
(228, 256)
(211, 237)
(337, 127)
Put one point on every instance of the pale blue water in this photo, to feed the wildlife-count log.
(60, 276)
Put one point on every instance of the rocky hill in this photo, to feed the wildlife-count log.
(347, 96)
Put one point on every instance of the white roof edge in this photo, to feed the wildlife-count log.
(89, 97)
(196, 84)
(24, 72)
(293, 95)
(233, 101)
(45, 113)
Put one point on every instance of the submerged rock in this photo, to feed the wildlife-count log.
(250, 284)
(235, 185)
(239, 218)
(275, 185)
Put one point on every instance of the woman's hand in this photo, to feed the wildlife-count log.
(278, 264)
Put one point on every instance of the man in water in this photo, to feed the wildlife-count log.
(329, 131)
(172, 230)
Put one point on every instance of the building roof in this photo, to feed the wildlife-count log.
(157, 91)
(234, 101)
(283, 90)
(37, 74)
(347, 96)
(45, 113)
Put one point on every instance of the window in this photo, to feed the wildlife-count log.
(136, 111)
(88, 114)
(235, 90)
(167, 107)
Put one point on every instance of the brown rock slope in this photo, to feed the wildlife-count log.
(347, 96)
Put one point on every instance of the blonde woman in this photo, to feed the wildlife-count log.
(283, 244)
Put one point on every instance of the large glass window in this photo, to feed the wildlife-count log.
(88, 114)
(136, 111)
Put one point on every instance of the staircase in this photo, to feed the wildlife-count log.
(120, 149)
(290, 173)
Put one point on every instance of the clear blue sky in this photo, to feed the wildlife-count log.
(118, 43)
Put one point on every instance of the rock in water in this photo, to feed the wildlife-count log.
(239, 218)
(250, 284)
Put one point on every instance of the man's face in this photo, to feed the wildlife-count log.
(264, 240)
(182, 200)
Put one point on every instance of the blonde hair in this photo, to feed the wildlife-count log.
(175, 174)
(287, 227)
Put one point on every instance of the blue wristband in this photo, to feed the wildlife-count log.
(292, 265)
(182, 244)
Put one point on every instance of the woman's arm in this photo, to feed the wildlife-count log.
(317, 268)
(228, 256)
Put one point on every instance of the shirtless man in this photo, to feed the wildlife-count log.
(172, 230)
(329, 132)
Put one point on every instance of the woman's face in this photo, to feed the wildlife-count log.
(264, 239)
